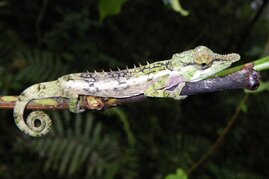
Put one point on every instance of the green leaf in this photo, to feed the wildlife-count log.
(68, 153)
(109, 8)
(180, 174)
(171, 176)
(3, 3)
(176, 6)
(262, 64)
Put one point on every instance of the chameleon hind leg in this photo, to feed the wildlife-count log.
(159, 89)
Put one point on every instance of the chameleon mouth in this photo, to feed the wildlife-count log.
(172, 88)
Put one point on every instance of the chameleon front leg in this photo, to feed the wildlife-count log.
(73, 102)
(161, 88)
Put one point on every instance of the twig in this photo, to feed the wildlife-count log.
(248, 29)
(40, 18)
(220, 139)
(247, 78)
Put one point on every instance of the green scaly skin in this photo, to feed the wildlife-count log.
(164, 79)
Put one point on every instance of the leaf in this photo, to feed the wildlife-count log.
(109, 8)
(39, 66)
(74, 163)
(68, 153)
(3, 3)
(176, 6)
(74, 149)
(180, 174)
(262, 64)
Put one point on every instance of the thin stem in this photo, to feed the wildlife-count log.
(221, 138)
(247, 30)
(40, 18)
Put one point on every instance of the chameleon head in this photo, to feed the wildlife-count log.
(201, 62)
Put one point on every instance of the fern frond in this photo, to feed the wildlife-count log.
(183, 151)
(40, 66)
(82, 148)
(10, 46)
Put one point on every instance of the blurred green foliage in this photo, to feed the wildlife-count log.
(41, 40)
(176, 6)
(109, 7)
(180, 174)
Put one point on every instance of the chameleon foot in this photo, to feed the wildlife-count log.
(74, 104)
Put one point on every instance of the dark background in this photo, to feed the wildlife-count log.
(42, 40)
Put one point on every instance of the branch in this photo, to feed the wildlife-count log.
(250, 26)
(40, 18)
(246, 78)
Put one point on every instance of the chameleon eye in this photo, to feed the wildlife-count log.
(204, 65)
(203, 59)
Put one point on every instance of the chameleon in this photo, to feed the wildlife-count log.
(161, 79)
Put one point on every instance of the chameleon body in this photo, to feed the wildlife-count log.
(159, 79)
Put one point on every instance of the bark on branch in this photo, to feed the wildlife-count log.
(246, 78)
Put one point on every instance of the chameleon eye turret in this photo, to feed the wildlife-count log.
(203, 56)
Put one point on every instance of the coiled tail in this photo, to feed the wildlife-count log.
(37, 123)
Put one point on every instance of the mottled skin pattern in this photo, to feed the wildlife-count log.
(160, 79)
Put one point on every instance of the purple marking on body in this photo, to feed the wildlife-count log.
(173, 81)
